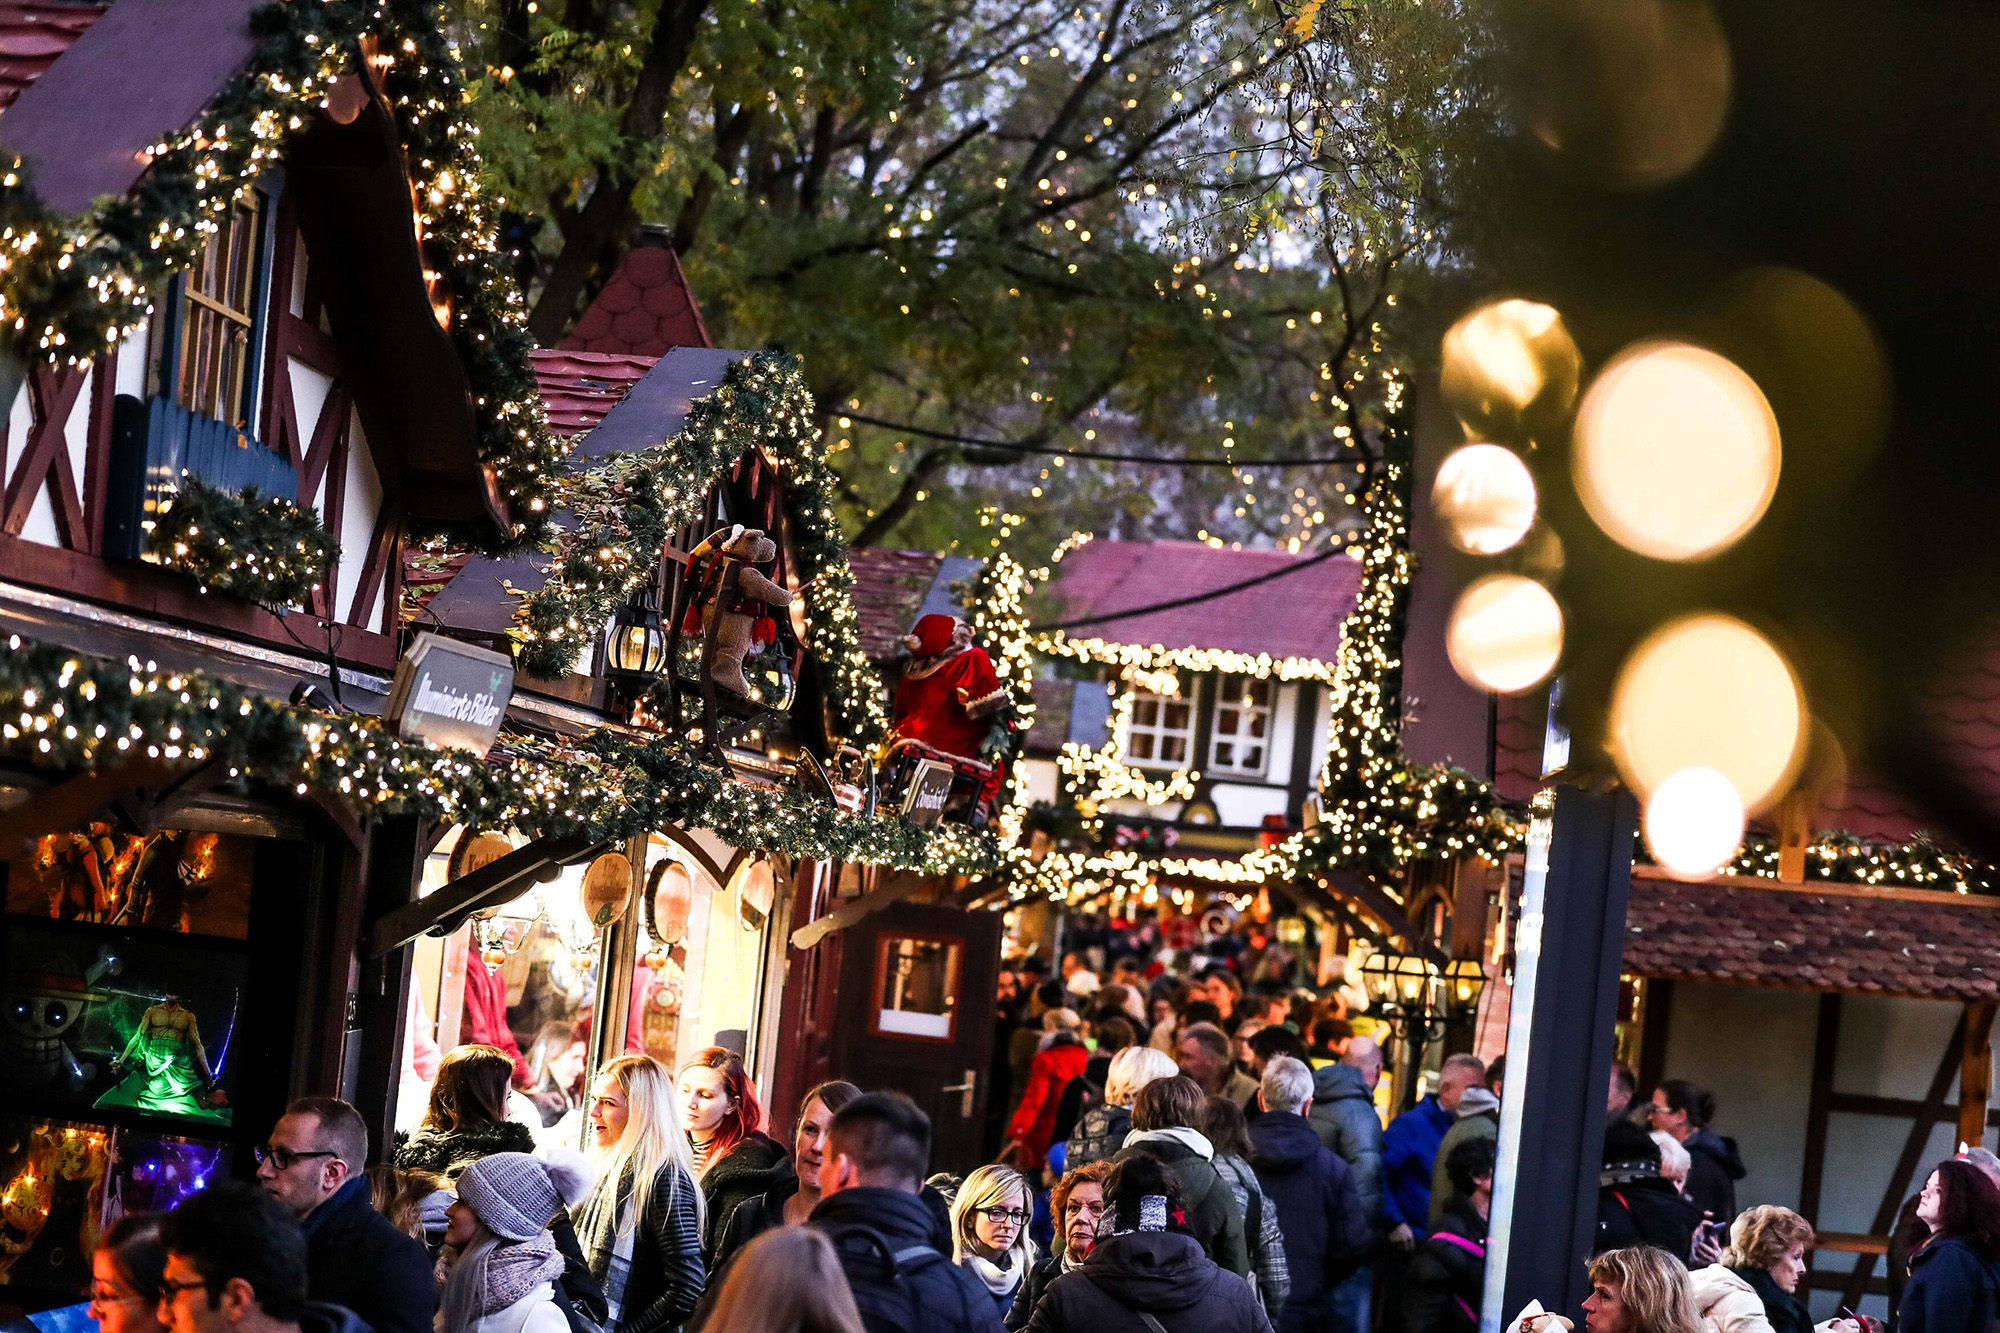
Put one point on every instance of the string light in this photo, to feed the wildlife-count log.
(263, 548)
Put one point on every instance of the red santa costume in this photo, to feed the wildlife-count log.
(949, 691)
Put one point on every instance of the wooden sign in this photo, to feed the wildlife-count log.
(607, 884)
(671, 900)
(930, 785)
(451, 694)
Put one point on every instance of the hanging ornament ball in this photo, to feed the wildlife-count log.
(1510, 370)
(607, 887)
(1485, 498)
(1505, 634)
(493, 957)
(1694, 822)
(1676, 451)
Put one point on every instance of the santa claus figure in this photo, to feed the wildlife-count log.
(949, 691)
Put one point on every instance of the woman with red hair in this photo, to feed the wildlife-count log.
(734, 1161)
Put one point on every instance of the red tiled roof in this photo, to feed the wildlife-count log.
(578, 388)
(33, 33)
(1298, 616)
(1846, 939)
(889, 587)
(1520, 727)
(645, 309)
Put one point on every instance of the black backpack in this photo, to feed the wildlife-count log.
(885, 1281)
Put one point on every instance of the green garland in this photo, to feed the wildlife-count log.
(71, 288)
(266, 549)
(67, 711)
(628, 509)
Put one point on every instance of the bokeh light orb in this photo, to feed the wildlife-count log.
(1694, 822)
(1510, 370)
(1708, 691)
(1485, 497)
(1506, 634)
(1676, 451)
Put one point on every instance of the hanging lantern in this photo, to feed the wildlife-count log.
(636, 654)
(669, 899)
(607, 885)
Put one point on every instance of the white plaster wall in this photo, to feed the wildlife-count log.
(309, 391)
(1044, 778)
(132, 357)
(1284, 732)
(363, 502)
(1241, 805)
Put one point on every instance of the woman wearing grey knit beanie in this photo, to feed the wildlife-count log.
(502, 1259)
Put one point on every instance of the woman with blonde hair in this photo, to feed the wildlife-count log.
(790, 1282)
(989, 1231)
(1101, 1132)
(641, 1226)
(1639, 1290)
(1750, 1289)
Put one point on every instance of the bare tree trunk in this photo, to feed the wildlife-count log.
(731, 133)
(927, 466)
(595, 236)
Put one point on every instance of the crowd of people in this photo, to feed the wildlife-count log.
(1179, 1153)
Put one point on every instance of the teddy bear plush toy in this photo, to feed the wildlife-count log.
(740, 594)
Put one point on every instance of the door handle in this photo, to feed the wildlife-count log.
(965, 1092)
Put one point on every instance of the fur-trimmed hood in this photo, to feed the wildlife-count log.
(447, 1154)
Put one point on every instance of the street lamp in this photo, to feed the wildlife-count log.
(1418, 998)
(636, 655)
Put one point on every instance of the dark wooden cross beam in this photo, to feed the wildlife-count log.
(140, 793)
(497, 882)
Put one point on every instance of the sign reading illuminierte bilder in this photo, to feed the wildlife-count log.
(450, 693)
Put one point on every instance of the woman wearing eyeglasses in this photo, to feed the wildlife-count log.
(125, 1273)
(989, 1231)
(1077, 1204)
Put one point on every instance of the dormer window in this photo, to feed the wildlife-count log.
(213, 355)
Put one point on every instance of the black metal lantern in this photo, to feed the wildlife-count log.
(636, 654)
(1416, 997)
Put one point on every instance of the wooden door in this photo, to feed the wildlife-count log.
(916, 1016)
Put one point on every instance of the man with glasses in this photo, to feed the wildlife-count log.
(236, 1263)
(313, 1164)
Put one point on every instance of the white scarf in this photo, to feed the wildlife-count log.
(998, 1280)
(1192, 1139)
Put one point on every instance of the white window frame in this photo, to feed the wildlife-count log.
(1229, 703)
(1158, 731)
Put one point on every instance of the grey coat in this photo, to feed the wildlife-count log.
(1260, 1225)
(1343, 1115)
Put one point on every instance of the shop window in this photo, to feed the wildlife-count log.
(133, 990)
(916, 987)
(1162, 731)
(522, 978)
(1242, 726)
(699, 980)
(216, 300)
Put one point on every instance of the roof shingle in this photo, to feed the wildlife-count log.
(33, 33)
(644, 309)
(1844, 939)
(889, 589)
(1292, 617)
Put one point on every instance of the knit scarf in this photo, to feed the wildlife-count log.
(998, 1280)
(492, 1274)
(608, 1245)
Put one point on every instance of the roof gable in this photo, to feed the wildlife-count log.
(646, 308)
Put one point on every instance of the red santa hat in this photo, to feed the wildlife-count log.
(931, 636)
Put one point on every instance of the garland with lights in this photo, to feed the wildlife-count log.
(628, 509)
(71, 288)
(64, 710)
(996, 602)
(266, 549)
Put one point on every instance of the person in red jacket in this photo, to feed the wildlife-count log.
(1061, 1058)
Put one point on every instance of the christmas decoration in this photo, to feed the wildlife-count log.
(262, 548)
(627, 509)
(64, 710)
(71, 288)
(733, 594)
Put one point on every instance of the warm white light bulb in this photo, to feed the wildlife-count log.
(1694, 822)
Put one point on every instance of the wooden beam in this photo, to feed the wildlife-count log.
(1895, 1108)
(1926, 1120)
(1370, 898)
(1975, 1076)
(900, 887)
(67, 805)
(492, 884)
(1826, 1049)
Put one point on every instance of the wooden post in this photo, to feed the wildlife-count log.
(1975, 1075)
(1794, 833)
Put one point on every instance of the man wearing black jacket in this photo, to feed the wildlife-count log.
(355, 1257)
(893, 1245)
(1326, 1233)
(1635, 1204)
